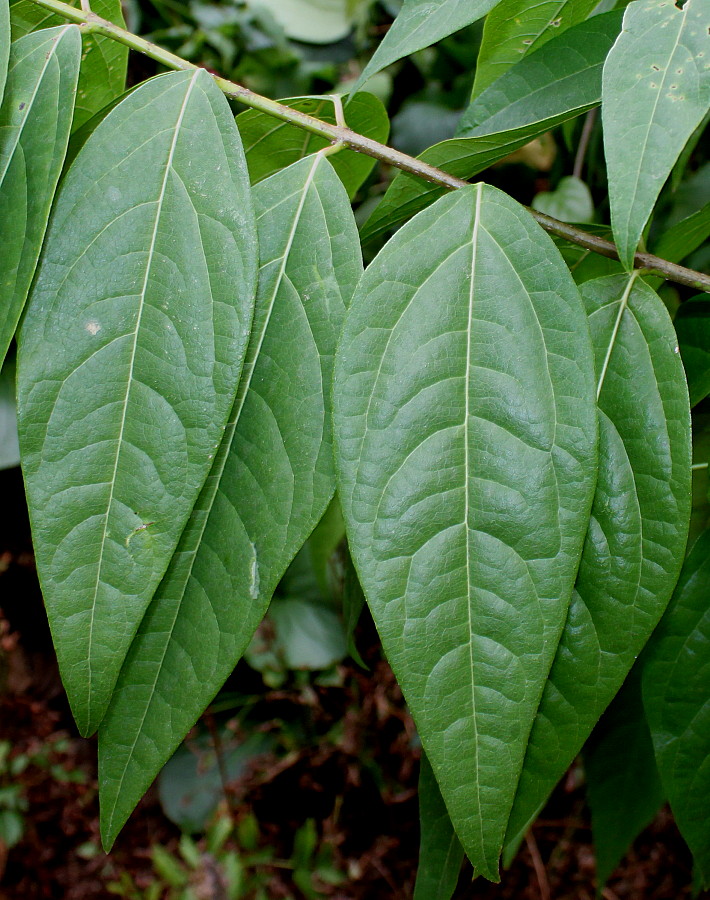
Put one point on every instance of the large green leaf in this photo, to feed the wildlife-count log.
(440, 851)
(130, 355)
(675, 693)
(557, 82)
(420, 24)
(637, 532)
(517, 27)
(4, 42)
(103, 62)
(655, 92)
(466, 437)
(35, 119)
(623, 786)
(271, 145)
(272, 481)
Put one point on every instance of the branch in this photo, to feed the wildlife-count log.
(345, 137)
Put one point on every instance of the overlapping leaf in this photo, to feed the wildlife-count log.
(675, 694)
(440, 851)
(271, 145)
(516, 27)
(466, 447)
(272, 481)
(420, 24)
(637, 531)
(35, 120)
(130, 355)
(656, 91)
(557, 82)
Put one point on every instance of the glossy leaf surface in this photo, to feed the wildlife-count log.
(271, 145)
(557, 82)
(517, 27)
(466, 447)
(272, 481)
(440, 851)
(35, 119)
(130, 355)
(656, 90)
(103, 62)
(675, 693)
(623, 786)
(637, 532)
(420, 24)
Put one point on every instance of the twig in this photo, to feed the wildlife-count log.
(584, 138)
(342, 136)
(538, 865)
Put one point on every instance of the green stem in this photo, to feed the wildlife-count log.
(342, 136)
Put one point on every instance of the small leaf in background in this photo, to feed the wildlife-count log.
(129, 358)
(9, 442)
(271, 145)
(517, 27)
(623, 786)
(306, 635)
(656, 90)
(675, 696)
(315, 21)
(466, 435)
(4, 42)
(353, 605)
(692, 324)
(440, 852)
(272, 482)
(571, 201)
(637, 531)
(103, 60)
(35, 119)
(420, 24)
(557, 82)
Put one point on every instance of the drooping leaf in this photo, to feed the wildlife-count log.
(623, 786)
(692, 325)
(130, 355)
(35, 119)
(4, 42)
(271, 145)
(420, 24)
(103, 61)
(571, 201)
(466, 437)
(9, 444)
(440, 851)
(637, 532)
(656, 90)
(675, 694)
(557, 82)
(271, 483)
(517, 27)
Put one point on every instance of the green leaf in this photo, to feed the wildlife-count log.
(692, 325)
(466, 437)
(4, 42)
(440, 851)
(675, 694)
(272, 481)
(557, 82)
(103, 61)
(623, 786)
(655, 92)
(571, 201)
(307, 635)
(315, 21)
(420, 24)
(637, 532)
(9, 444)
(130, 355)
(517, 27)
(271, 145)
(35, 119)
(683, 238)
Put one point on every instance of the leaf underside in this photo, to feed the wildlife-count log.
(130, 355)
(272, 481)
(466, 437)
